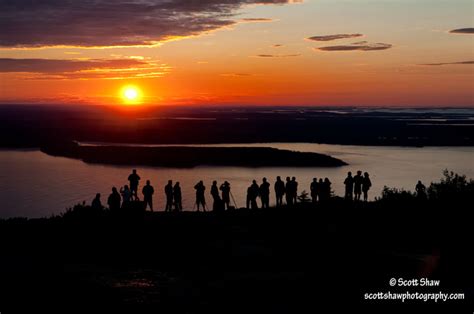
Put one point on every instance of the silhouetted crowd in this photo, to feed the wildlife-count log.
(222, 198)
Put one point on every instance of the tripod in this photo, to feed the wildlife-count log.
(233, 199)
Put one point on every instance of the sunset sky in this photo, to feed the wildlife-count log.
(238, 52)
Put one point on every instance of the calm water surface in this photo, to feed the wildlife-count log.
(37, 185)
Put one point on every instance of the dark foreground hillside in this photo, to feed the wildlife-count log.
(290, 260)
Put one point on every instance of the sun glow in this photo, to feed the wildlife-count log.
(131, 95)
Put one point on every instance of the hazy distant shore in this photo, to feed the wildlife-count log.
(36, 126)
(188, 157)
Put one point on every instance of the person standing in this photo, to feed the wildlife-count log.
(358, 179)
(200, 198)
(169, 196)
(314, 190)
(225, 189)
(288, 191)
(134, 179)
(148, 192)
(126, 196)
(178, 199)
(327, 189)
(349, 183)
(252, 194)
(294, 190)
(420, 189)
(216, 205)
(264, 192)
(366, 184)
(279, 191)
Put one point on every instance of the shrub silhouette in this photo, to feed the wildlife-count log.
(304, 197)
(396, 195)
(452, 188)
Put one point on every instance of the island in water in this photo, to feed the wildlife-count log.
(188, 157)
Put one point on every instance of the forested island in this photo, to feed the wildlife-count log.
(186, 157)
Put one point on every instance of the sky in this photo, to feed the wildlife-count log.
(238, 52)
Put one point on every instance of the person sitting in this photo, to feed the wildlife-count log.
(114, 200)
(96, 203)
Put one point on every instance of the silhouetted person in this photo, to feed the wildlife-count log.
(366, 184)
(114, 200)
(126, 196)
(289, 191)
(178, 198)
(200, 199)
(96, 203)
(349, 183)
(294, 189)
(134, 179)
(169, 196)
(420, 189)
(358, 180)
(279, 191)
(314, 188)
(216, 205)
(252, 194)
(320, 189)
(264, 192)
(326, 189)
(148, 192)
(225, 189)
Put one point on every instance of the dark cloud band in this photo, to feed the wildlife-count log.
(449, 63)
(333, 37)
(463, 31)
(91, 23)
(360, 46)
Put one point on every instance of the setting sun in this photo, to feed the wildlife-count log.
(131, 94)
